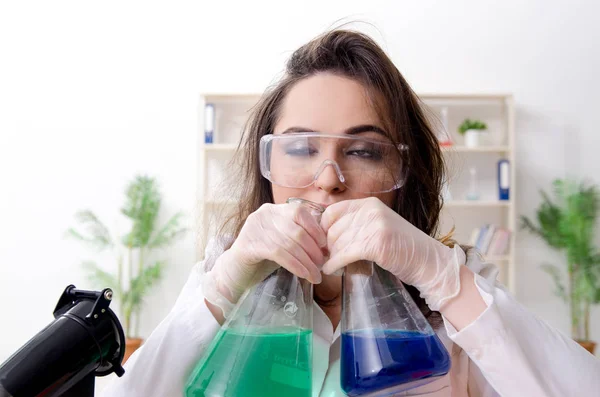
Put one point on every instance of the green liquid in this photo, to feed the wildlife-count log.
(247, 364)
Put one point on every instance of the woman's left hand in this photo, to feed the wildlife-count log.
(367, 229)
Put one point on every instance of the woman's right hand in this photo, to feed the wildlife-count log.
(286, 235)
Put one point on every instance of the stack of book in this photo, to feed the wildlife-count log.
(491, 240)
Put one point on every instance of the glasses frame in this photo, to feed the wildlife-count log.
(264, 156)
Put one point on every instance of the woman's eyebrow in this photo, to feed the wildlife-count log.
(365, 128)
(350, 131)
(298, 129)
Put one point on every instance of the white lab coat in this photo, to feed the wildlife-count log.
(507, 351)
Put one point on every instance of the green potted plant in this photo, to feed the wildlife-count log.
(471, 129)
(568, 225)
(137, 269)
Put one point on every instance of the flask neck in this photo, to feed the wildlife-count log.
(314, 208)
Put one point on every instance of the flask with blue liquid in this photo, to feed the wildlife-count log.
(387, 344)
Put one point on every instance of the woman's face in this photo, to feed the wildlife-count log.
(335, 105)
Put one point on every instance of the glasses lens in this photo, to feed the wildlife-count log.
(295, 160)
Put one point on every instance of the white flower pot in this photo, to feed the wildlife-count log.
(472, 138)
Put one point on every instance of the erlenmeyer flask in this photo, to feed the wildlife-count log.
(387, 344)
(265, 347)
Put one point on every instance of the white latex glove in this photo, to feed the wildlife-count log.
(367, 229)
(286, 235)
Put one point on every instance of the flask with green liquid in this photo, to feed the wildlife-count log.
(264, 348)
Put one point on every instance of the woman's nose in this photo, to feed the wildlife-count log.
(329, 177)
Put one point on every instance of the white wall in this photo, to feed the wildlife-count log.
(91, 93)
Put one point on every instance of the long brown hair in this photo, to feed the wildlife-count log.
(354, 55)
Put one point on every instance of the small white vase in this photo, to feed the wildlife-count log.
(472, 138)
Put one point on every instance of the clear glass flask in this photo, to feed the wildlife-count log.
(264, 349)
(387, 344)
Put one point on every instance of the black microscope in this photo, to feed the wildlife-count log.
(85, 340)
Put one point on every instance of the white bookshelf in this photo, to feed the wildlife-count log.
(497, 110)
(477, 203)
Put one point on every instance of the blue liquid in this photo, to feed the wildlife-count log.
(377, 360)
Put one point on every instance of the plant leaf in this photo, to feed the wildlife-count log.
(94, 232)
(140, 285)
(100, 278)
(567, 222)
(170, 232)
(527, 224)
(142, 207)
(554, 273)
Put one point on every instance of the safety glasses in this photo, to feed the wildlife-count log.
(366, 165)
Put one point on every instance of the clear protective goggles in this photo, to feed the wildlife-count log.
(366, 165)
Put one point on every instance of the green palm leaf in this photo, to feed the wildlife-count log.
(142, 207)
(554, 272)
(100, 278)
(170, 232)
(567, 223)
(94, 233)
(141, 284)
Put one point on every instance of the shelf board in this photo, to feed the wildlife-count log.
(476, 203)
(464, 96)
(479, 149)
(465, 99)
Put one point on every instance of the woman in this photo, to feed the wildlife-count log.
(376, 166)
